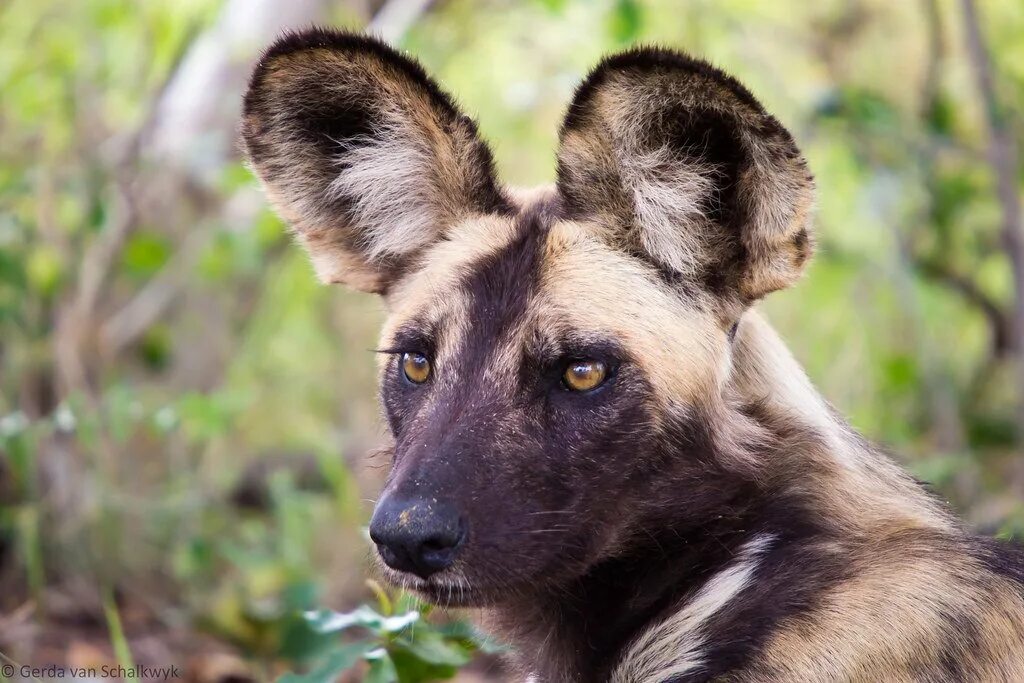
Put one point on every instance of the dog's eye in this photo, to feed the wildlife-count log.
(584, 375)
(416, 367)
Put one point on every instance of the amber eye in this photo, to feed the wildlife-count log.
(584, 375)
(416, 367)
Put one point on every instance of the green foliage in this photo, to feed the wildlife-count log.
(625, 21)
(397, 644)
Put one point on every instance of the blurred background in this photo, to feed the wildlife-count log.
(187, 419)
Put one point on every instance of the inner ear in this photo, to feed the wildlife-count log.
(705, 138)
(338, 129)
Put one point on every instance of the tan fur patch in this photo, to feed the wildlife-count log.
(590, 287)
(891, 621)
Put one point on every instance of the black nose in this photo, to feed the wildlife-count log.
(420, 536)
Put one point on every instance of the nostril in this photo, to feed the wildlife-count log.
(438, 551)
(433, 556)
(389, 556)
(438, 543)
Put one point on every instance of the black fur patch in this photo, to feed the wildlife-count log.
(642, 60)
(1003, 558)
(501, 285)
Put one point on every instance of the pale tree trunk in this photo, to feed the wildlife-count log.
(199, 111)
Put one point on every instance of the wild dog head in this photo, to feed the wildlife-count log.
(541, 351)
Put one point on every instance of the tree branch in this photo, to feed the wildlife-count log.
(1002, 329)
(1002, 157)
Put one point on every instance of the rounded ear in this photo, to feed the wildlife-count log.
(362, 154)
(676, 162)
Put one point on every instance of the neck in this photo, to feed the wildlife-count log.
(807, 475)
(578, 631)
(857, 485)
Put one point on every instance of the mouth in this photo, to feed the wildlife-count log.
(446, 589)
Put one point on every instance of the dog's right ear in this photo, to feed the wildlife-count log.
(362, 154)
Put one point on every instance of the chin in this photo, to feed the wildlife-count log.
(452, 595)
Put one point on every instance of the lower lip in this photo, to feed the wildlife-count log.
(435, 592)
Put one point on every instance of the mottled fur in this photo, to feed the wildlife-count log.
(703, 514)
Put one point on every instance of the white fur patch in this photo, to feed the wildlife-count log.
(674, 646)
(387, 178)
(669, 200)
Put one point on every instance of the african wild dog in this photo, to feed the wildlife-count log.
(595, 437)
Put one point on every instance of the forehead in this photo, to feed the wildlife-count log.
(501, 284)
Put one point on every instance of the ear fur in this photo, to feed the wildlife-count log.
(676, 162)
(362, 153)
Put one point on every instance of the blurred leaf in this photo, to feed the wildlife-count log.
(338, 660)
(300, 596)
(123, 411)
(860, 107)
(553, 5)
(269, 229)
(12, 271)
(954, 190)
(301, 643)
(117, 635)
(327, 621)
(206, 416)
(235, 176)
(1013, 528)
(155, 347)
(412, 669)
(144, 254)
(625, 21)
(382, 667)
(384, 602)
(939, 469)
(194, 557)
(901, 371)
(991, 431)
(470, 636)
(44, 269)
(430, 647)
(231, 254)
(165, 419)
(941, 115)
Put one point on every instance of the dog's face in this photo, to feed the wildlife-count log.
(540, 351)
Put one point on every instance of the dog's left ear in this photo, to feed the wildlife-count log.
(677, 163)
